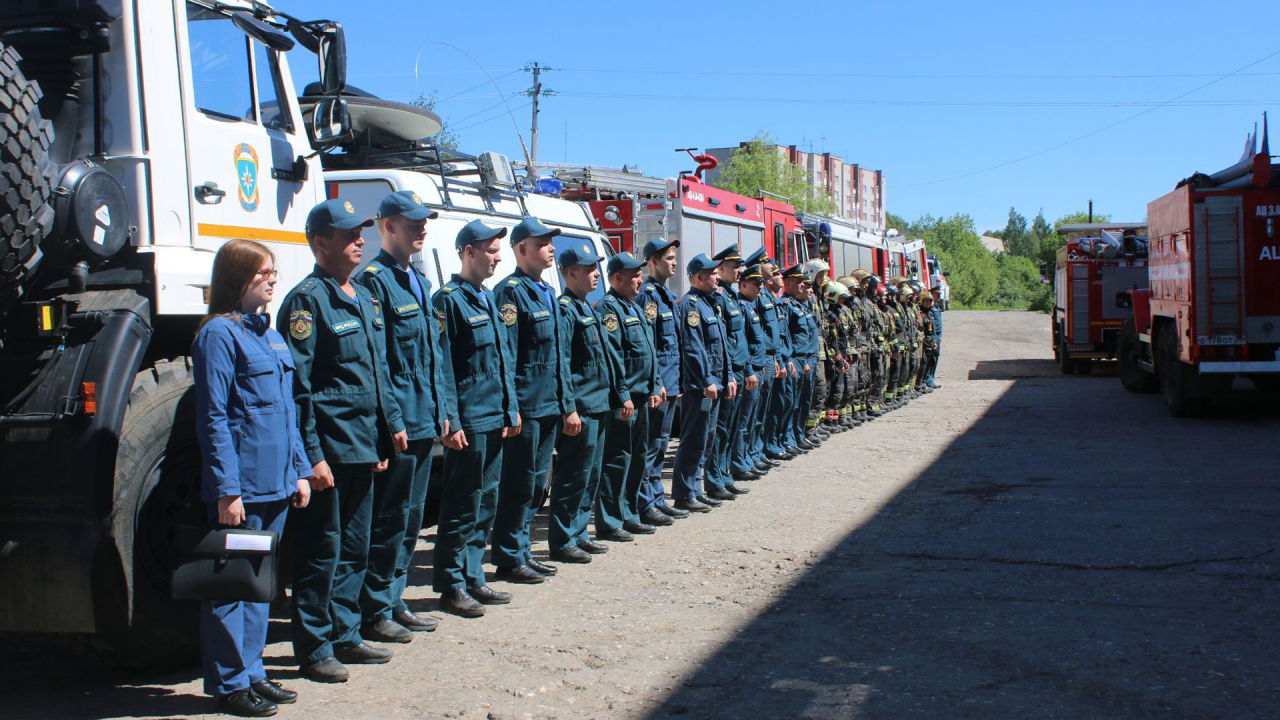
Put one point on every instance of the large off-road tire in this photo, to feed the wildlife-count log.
(157, 486)
(1128, 351)
(1177, 379)
(26, 177)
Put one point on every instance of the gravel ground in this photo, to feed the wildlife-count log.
(1020, 544)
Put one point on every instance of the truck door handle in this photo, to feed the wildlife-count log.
(209, 194)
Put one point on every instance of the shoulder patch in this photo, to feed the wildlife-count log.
(694, 318)
(564, 300)
(512, 281)
(300, 324)
(508, 314)
(611, 322)
(651, 310)
(440, 320)
(371, 269)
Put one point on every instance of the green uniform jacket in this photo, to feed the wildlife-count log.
(735, 325)
(420, 387)
(345, 410)
(543, 384)
(597, 385)
(478, 357)
(629, 338)
(756, 340)
(803, 329)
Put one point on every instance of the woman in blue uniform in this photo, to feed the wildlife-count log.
(254, 462)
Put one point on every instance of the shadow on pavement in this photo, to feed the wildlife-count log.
(1049, 564)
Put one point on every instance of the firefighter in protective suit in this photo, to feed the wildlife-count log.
(836, 362)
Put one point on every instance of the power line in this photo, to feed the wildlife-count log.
(481, 112)
(943, 103)
(491, 118)
(480, 85)
(905, 76)
(1135, 116)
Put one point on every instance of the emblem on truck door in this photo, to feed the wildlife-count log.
(247, 176)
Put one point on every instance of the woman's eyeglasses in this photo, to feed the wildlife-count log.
(272, 273)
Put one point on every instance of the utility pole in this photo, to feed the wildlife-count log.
(536, 92)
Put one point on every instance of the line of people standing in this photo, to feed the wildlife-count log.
(764, 363)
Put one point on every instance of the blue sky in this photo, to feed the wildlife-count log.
(925, 92)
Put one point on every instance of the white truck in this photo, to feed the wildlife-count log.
(136, 137)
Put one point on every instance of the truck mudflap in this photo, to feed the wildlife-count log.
(58, 444)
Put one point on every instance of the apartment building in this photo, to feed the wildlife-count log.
(858, 192)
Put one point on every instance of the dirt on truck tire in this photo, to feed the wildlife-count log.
(26, 176)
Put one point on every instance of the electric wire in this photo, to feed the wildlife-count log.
(1104, 128)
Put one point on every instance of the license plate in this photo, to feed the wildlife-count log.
(1220, 340)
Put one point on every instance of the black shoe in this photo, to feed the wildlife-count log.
(693, 505)
(638, 528)
(779, 457)
(545, 569)
(806, 445)
(748, 475)
(594, 548)
(386, 631)
(489, 596)
(361, 654)
(708, 499)
(416, 623)
(717, 494)
(654, 516)
(274, 692)
(571, 554)
(796, 451)
(673, 512)
(246, 703)
(736, 490)
(328, 670)
(522, 574)
(459, 602)
(618, 535)
(765, 464)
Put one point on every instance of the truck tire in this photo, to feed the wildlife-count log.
(1177, 379)
(157, 486)
(1132, 376)
(26, 177)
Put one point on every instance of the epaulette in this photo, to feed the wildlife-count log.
(512, 281)
(371, 268)
(564, 300)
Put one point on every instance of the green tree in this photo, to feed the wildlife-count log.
(896, 222)
(1017, 241)
(757, 166)
(973, 270)
(447, 137)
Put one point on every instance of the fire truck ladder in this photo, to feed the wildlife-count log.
(1219, 222)
(604, 180)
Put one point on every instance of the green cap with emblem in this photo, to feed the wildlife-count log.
(406, 204)
(531, 227)
(623, 261)
(336, 213)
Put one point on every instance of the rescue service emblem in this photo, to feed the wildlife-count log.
(440, 320)
(651, 311)
(417, 199)
(508, 314)
(586, 249)
(611, 322)
(694, 318)
(300, 323)
(346, 205)
(246, 159)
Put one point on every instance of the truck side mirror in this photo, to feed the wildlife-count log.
(330, 122)
(1124, 300)
(333, 59)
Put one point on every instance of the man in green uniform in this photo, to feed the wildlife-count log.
(478, 357)
(596, 391)
(350, 425)
(629, 339)
(718, 481)
(816, 271)
(425, 400)
(529, 312)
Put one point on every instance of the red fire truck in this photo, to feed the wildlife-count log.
(847, 246)
(1096, 270)
(633, 209)
(1213, 308)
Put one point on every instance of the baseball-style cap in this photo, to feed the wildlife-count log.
(406, 204)
(729, 254)
(578, 254)
(758, 257)
(531, 227)
(657, 245)
(476, 231)
(701, 262)
(752, 272)
(795, 271)
(623, 261)
(336, 213)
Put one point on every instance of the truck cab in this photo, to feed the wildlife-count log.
(1097, 268)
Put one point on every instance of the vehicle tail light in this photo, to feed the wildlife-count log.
(90, 392)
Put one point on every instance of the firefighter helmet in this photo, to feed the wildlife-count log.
(833, 291)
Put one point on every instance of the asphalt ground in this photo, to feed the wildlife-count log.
(1019, 544)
